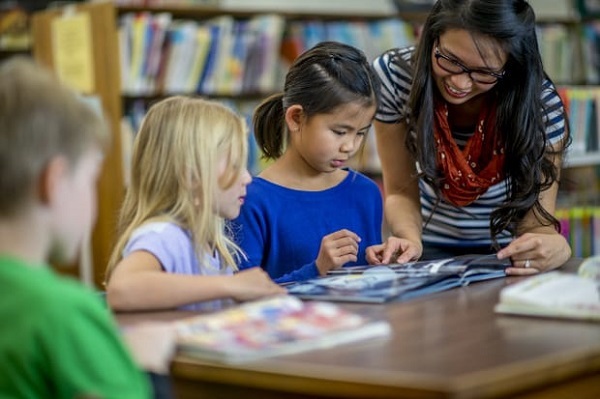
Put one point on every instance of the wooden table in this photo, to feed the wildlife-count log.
(446, 345)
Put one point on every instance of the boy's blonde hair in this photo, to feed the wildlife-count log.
(174, 172)
(40, 118)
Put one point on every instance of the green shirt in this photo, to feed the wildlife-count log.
(58, 340)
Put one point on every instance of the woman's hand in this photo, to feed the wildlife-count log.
(394, 250)
(532, 253)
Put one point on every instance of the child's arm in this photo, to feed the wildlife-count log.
(305, 272)
(336, 250)
(139, 283)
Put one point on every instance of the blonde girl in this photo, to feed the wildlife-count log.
(188, 177)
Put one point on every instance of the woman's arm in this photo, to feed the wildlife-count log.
(402, 204)
(542, 246)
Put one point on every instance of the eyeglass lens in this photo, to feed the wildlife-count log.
(455, 67)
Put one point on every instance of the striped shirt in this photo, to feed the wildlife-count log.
(450, 225)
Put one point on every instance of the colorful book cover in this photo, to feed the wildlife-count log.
(159, 24)
(205, 84)
(219, 53)
(199, 55)
(280, 325)
(139, 39)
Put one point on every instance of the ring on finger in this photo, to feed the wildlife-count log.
(527, 263)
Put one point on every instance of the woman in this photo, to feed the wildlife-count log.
(471, 132)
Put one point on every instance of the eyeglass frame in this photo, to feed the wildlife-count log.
(437, 54)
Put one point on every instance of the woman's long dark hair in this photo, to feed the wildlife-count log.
(529, 166)
(321, 79)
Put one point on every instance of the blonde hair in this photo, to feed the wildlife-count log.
(174, 172)
(40, 118)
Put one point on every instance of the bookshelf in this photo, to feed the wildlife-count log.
(155, 41)
(15, 38)
(569, 34)
(100, 17)
(290, 29)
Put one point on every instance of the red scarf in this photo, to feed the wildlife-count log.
(469, 172)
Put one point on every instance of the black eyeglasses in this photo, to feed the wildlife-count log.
(454, 67)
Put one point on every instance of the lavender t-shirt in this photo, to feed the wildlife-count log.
(174, 249)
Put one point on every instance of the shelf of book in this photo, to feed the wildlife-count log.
(202, 12)
(225, 55)
(334, 9)
(580, 225)
(583, 110)
(585, 159)
(236, 56)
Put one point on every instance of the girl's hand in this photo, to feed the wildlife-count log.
(336, 250)
(394, 250)
(252, 284)
(532, 253)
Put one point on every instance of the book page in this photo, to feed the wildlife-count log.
(552, 294)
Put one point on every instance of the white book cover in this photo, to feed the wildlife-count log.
(552, 294)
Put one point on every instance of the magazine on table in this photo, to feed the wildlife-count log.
(556, 294)
(276, 326)
(395, 282)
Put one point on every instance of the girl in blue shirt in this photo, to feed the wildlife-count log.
(307, 212)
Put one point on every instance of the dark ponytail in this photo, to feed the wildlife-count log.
(269, 126)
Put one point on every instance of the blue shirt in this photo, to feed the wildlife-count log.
(280, 229)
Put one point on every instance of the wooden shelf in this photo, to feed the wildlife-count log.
(578, 160)
(6, 53)
(104, 38)
(128, 97)
(200, 12)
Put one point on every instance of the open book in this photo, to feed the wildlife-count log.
(397, 282)
(274, 326)
(553, 294)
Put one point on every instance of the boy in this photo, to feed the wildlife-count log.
(57, 340)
